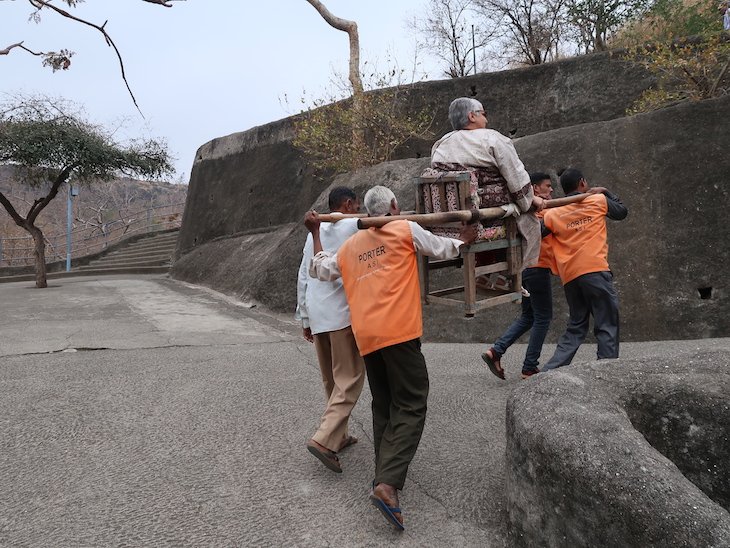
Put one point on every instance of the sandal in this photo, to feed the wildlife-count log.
(391, 513)
(493, 364)
(349, 440)
(328, 458)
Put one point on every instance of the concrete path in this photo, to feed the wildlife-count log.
(146, 412)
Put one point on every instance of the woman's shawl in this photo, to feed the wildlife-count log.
(492, 160)
(490, 149)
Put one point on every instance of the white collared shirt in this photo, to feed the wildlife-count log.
(322, 305)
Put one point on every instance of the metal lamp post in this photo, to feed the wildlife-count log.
(72, 191)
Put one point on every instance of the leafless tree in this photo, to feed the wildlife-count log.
(452, 34)
(117, 205)
(531, 28)
(592, 21)
(61, 60)
(350, 27)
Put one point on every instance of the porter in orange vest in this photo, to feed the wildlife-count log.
(537, 307)
(581, 255)
(380, 274)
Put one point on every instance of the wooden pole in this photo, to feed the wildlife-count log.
(430, 219)
(334, 217)
(557, 202)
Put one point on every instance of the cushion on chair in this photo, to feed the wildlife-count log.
(487, 188)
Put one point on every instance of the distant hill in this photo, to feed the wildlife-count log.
(97, 204)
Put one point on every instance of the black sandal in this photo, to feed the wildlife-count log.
(494, 365)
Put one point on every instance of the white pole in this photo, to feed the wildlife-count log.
(69, 216)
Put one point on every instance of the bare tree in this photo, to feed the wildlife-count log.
(61, 60)
(350, 27)
(593, 20)
(118, 204)
(531, 28)
(451, 34)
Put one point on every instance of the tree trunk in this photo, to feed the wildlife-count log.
(350, 27)
(40, 255)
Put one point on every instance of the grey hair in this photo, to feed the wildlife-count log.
(459, 110)
(377, 200)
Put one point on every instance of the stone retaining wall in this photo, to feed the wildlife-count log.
(256, 178)
(667, 256)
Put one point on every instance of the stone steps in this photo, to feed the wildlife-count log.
(150, 255)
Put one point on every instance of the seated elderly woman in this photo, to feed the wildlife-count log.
(498, 175)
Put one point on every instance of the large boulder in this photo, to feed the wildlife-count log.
(622, 453)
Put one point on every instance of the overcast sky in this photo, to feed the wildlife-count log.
(203, 68)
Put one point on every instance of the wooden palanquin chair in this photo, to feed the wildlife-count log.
(451, 191)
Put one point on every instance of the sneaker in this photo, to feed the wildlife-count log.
(529, 373)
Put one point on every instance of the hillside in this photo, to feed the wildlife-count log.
(99, 207)
(102, 213)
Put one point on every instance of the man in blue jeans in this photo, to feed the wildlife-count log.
(537, 308)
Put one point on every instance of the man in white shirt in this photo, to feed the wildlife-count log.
(325, 316)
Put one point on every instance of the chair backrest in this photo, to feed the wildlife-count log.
(442, 191)
(445, 191)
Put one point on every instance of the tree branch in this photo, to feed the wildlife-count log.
(11, 46)
(41, 203)
(165, 3)
(11, 210)
(718, 79)
(40, 4)
(350, 27)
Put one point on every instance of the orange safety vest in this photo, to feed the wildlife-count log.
(380, 277)
(547, 255)
(579, 237)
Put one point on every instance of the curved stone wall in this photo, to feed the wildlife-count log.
(256, 178)
(622, 453)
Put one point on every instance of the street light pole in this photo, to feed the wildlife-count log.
(474, 49)
(72, 191)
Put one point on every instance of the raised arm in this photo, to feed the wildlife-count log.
(440, 247)
(323, 266)
(617, 211)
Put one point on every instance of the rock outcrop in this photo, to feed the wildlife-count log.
(622, 453)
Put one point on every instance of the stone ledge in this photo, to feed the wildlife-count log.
(580, 471)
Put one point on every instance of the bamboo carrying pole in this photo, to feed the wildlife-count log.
(430, 219)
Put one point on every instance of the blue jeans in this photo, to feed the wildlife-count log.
(537, 311)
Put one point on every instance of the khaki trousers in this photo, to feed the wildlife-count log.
(343, 375)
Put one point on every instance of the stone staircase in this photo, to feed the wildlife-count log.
(149, 255)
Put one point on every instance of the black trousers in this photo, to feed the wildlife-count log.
(588, 295)
(399, 386)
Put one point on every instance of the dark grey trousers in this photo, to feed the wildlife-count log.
(588, 295)
(399, 386)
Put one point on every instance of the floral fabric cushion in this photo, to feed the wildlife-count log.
(487, 188)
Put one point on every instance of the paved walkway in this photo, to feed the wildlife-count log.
(146, 412)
